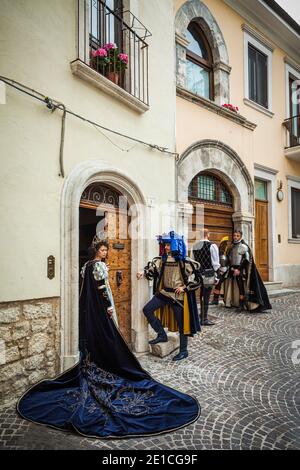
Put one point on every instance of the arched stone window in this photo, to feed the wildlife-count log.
(206, 187)
(194, 24)
(199, 62)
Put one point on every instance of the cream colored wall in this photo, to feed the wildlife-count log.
(38, 43)
(262, 146)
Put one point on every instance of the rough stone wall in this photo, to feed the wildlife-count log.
(29, 345)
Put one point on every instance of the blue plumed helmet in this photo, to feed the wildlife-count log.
(178, 247)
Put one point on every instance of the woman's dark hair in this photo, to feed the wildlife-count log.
(94, 247)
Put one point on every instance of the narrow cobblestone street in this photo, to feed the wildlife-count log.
(241, 371)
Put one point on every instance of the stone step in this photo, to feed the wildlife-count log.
(273, 285)
(282, 292)
(164, 349)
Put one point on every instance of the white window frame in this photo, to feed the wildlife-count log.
(262, 48)
(293, 182)
(289, 69)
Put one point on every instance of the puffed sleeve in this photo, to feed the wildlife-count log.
(100, 274)
(153, 268)
(192, 271)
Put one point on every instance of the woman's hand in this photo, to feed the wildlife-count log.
(140, 275)
(110, 311)
(179, 290)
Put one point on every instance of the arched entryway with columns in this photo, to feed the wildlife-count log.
(218, 158)
(81, 177)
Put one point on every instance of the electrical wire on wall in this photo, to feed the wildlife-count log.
(53, 105)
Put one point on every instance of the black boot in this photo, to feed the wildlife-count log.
(183, 352)
(241, 307)
(206, 321)
(162, 335)
(215, 300)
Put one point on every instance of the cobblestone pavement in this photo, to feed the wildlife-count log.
(242, 372)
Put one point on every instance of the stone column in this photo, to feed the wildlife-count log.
(221, 82)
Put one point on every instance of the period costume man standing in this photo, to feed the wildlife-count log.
(243, 287)
(223, 258)
(207, 254)
(174, 304)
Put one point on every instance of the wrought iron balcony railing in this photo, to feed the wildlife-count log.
(108, 42)
(292, 126)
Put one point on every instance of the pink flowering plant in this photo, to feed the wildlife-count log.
(119, 60)
(109, 56)
(99, 58)
(231, 107)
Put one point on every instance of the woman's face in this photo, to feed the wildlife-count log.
(102, 252)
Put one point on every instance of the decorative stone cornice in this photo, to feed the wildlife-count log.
(182, 41)
(255, 34)
(222, 66)
(266, 169)
(292, 63)
(203, 102)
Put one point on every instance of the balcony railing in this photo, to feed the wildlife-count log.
(108, 42)
(292, 126)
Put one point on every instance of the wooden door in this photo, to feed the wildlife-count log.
(119, 260)
(217, 219)
(262, 238)
(116, 223)
(208, 189)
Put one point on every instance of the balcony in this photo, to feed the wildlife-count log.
(292, 148)
(112, 52)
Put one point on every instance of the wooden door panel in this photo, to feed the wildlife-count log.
(124, 318)
(261, 239)
(217, 219)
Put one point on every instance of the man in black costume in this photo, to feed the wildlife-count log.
(173, 305)
(207, 254)
(243, 287)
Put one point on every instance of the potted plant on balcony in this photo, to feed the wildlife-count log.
(117, 63)
(230, 107)
(99, 60)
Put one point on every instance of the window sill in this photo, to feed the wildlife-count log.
(293, 153)
(205, 103)
(80, 69)
(258, 107)
(294, 240)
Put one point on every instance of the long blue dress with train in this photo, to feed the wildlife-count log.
(107, 393)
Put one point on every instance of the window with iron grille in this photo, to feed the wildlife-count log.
(209, 188)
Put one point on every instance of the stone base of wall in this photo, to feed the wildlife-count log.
(289, 274)
(29, 345)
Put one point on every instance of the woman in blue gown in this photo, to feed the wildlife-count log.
(107, 394)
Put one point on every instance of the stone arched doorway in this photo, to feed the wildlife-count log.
(82, 176)
(221, 160)
(104, 210)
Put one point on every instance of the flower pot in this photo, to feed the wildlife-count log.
(113, 76)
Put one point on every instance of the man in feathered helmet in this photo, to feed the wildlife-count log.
(175, 279)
